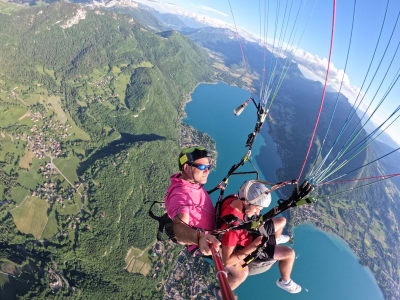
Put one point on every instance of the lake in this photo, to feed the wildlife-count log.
(325, 266)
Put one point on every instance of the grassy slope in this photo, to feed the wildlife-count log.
(31, 216)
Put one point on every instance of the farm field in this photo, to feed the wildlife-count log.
(31, 216)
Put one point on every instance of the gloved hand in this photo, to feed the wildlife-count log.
(302, 191)
(305, 188)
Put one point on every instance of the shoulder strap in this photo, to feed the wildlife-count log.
(227, 219)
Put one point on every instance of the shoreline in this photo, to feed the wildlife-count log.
(188, 97)
(188, 135)
(338, 241)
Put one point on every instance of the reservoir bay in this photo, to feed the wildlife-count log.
(325, 266)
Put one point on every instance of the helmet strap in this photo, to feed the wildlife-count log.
(192, 180)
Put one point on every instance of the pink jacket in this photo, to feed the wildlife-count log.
(184, 197)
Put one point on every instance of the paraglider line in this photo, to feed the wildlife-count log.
(240, 43)
(324, 91)
(360, 179)
(338, 93)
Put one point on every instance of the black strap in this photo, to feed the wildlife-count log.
(165, 225)
(256, 253)
(230, 219)
(283, 205)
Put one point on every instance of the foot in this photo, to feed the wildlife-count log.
(291, 287)
(282, 239)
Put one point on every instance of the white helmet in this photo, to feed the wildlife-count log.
(255, 193)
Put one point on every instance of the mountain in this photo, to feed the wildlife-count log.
(224, 41)
(176, 22)
(387, 139)
(89, 101)
(383, 138)
(391, 162)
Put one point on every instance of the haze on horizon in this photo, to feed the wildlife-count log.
(312, 49)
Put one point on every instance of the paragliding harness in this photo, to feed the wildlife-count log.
(165, 225)
(296, 199)
(256, 225)
(165, 230)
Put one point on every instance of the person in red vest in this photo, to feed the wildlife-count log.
(236, 245)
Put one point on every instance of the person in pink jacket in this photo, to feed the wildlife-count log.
(188, 203)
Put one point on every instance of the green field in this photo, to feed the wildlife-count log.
(68, 167)
(10, 152)
(51, 227)
(10, 114)
(77, 133)
(57, 107)
(31, 216)
(18, 194)
(137, 263)
(29, 179)
(26, 161)
(120, 84)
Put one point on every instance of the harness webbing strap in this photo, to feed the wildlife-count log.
(164, 224)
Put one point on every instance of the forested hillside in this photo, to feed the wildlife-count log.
(90, 120)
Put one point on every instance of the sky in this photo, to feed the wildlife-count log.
(311, 41)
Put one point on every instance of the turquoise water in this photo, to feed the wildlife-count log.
(325, 266)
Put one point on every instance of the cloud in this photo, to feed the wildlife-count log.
(213, 10)
(314, 67)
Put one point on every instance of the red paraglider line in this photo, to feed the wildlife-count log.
(359, 179)
(324, 91)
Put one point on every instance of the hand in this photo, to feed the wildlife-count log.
(206, 241)
(257, 241)
(252, 246)
(302, 191)
(305, 189)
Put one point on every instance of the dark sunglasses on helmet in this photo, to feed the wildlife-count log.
(200, 166)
